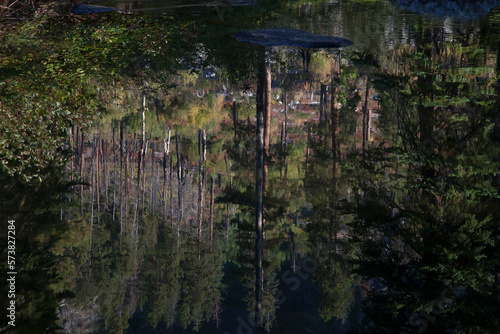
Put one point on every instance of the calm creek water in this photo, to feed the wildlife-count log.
(379, 182)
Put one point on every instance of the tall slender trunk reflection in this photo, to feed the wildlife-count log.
(259, 186)
(114, 174)
(212, 203)
(366, 116)
(166, 148)
(82, 169)
(201, 182)
(335, 153)
(180, 186)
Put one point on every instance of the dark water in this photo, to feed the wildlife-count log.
(378, 184)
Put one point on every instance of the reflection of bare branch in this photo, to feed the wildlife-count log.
(7, 9)
(12, 4)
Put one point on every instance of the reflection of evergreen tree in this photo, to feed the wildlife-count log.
(106, 283)
(424, 206)
(160, 278)
(269, 302)
(200, 287)
(44, 272)
(326, 184)
(114, 302)
(173, 289)
(337, 291)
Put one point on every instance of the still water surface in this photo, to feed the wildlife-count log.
(379, 180)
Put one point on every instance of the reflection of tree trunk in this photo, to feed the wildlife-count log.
(285, 103)
(323, 97)
(216, 314)
(267, 127)
(121, 143)
(98, 174)
(171, 194)
(77, 145)
(267, 105)
(264, 194)
(306, 58)
(366, 115)
(228, 168)
(212, 202)
(321, 92)
(204, 145)
(143, 142)
(333, 217)
(286, 137)
(82, 166)
(92, 190)
(335, 155)
(71, 140)
(292, 250)
(128, 177)
(135, 224)
(157, 107)
(122, 148)
(165, 165)
(282, 150)
(146, 145)
(259, 185)
(180, 186)
(227, 221)
(114, 174)
(105, 161)
(335, 121)
(368, 124)
(132, 155)
(153, 183)
(235, 120)
(201, 182)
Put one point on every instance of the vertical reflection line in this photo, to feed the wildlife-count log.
(259, 178)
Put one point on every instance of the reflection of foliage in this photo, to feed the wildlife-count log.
(105, 281)
(201, 287)
(113, 303)
(183, 287)
(337, 291)
(435, 242)
(269, 302)
(424, 205)
(199, 113)
(161, 283)
(321, 67)
(51, 68)
(44, 274)
(173, 288)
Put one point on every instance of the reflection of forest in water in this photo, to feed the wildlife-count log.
(380, 188)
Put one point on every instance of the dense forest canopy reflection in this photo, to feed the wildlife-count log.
(128, 161)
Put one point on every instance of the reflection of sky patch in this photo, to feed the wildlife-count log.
(461, 9)
(92, 9)
(290, 37)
